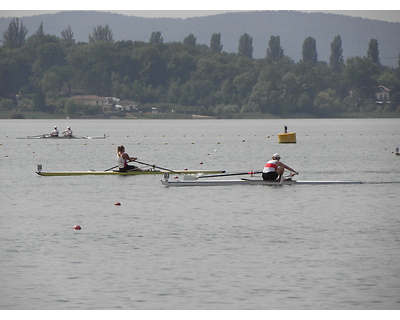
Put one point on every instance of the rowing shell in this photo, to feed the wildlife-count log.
(47, 136)
(119, 173)
(192, 183)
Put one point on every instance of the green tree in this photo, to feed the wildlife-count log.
(373, 51)
(290, 92)
(156, 38)
(44, 52)
(153, 70)
(309, 52)
(6, 104)
(14, 36)
(395, 102)
(190, 40)
(181, 65)
(336, 57)
(227, 94)
(305, 103)
(71, 107)
(195, 78)
(226, 111)
(8, 73)
(246, 46)
(138, 92)
(327, 103)
(398, 62)
(274, 51)
(388, 79)
(68, 36)
(265, 98)
(40, 31)
(58, 79)
(39, 100)
(361, 76)
(101, 33)
(174, 92)
(215, 43)
(243, 84)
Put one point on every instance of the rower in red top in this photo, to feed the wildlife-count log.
(274, 169)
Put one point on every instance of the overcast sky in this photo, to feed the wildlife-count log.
(186, 9)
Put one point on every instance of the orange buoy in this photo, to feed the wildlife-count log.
(77, 227)
(117, 204)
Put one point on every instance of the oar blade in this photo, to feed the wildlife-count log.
(154, 166)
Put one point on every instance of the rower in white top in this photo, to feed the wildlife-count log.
(274, 169)
(54, 133)
(67, 133)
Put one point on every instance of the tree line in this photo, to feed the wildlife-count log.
(41, 72)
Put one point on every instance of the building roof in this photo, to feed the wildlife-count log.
(384, 88)
(87, 97)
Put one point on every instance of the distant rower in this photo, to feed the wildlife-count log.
(55, 132)
(67, 133)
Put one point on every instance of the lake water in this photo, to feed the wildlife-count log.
(210, 248)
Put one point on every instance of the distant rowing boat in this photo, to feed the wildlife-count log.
(48, 136)
(119, 173)
(193, 182)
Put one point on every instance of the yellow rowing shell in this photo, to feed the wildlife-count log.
(118, 173)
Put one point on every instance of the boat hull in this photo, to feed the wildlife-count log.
(192, 183)
(46, 136)
(118, 173)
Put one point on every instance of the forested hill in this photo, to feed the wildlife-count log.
(292, 27)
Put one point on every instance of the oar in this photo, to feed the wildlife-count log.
(229, 174)
(111, 168)
(39, 135)
(153, 165)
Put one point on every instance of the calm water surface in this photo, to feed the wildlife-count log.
(236, 247)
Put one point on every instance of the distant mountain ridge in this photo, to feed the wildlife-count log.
(292, 27)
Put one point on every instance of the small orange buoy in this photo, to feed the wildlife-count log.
(77, 227)
(117, 204)
(201, 162)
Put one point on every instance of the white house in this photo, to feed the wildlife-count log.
(127, 105)
(92, 100)
(382, 95)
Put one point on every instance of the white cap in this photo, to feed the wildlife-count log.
(276, 156)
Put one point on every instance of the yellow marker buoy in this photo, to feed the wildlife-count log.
(287, 137)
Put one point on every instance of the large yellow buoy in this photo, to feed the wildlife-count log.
(287, 137)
